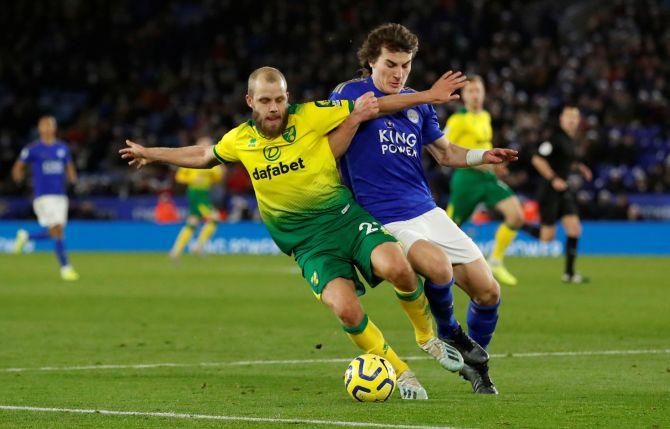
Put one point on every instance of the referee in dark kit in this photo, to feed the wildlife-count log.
(555, 159)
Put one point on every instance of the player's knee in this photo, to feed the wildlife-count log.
(350, 314)
(56, 232)
(489, 295)
(442, 273)
(400, 273)
(514, 219)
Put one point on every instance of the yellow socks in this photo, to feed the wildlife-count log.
(182, 239)
(504, 237)
(371, 340)
(416, 307)
(206, 233)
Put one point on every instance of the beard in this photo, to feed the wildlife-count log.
(272, 130)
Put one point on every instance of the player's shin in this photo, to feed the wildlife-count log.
(441, 300)
(570, 255)
(371, 340)
(482, 321)
(207, 232)
(182, 239)
(416, 307)
(59, 248)
(503, 238)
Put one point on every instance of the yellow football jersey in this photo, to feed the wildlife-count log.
(199, 179)
(294, 175)
(470, 130)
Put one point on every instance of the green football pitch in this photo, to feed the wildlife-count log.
(240, 342)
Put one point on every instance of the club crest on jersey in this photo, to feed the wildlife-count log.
(289, 134)
(252, 142)
(413, 116)
(60, 153)
(272, 153)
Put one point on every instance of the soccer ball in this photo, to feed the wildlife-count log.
(369, 378)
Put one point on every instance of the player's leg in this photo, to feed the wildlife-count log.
(184, 236)
(476, 279)
(378, 257)
(334, 281)
(40, 207)
(53, 215)
(340, 297)
(433, 263)
(573, 230)
(389, 263)
(209, 213)
(500, 197)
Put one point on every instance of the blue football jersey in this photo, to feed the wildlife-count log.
(48, 165)
(383, 166)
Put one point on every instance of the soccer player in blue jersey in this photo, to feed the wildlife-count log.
(51, 165)
(384, 170)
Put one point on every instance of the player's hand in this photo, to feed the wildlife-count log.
(586, 172)
(499, 155)
(136, 154)
(443, 90)
(559, 184)
(366, 107)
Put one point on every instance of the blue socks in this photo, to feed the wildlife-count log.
(41, 234)
(60, 253)
(441, 300)
(482, 321)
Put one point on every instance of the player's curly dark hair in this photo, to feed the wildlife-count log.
(394, 37)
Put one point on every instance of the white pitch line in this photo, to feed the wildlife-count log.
(325, 360)
(217, 417)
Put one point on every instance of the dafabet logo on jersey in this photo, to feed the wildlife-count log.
(271, 171)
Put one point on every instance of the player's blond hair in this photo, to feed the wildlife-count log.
(268, 74)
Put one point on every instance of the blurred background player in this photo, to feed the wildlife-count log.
(554, 160)
(198, 184)
(384, 170)
(470, 127)
(52, 168)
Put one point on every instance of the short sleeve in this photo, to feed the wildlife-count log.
(25, 155)
(545, 149)
(68, 154)
(431, 128)
(217, 174)
(182, 175)
(225, 150)
(324, 116)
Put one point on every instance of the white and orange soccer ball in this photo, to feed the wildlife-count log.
(370, 378)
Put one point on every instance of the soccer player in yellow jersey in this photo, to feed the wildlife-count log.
(471, 128)
(312, 216)
(198, 184)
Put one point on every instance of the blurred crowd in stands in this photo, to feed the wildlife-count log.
(165, 72)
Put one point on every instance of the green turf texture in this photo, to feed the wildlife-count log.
(142, 308)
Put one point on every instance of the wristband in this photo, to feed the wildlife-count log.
(474, 157)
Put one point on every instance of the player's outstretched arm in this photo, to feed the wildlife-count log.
(441, 92)
(197, 156)
(366, 107)
(451, 155)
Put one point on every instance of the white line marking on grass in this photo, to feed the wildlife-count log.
(216, 417)
(325, 360)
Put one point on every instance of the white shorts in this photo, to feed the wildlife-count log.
(436, 227)
(51, 210)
